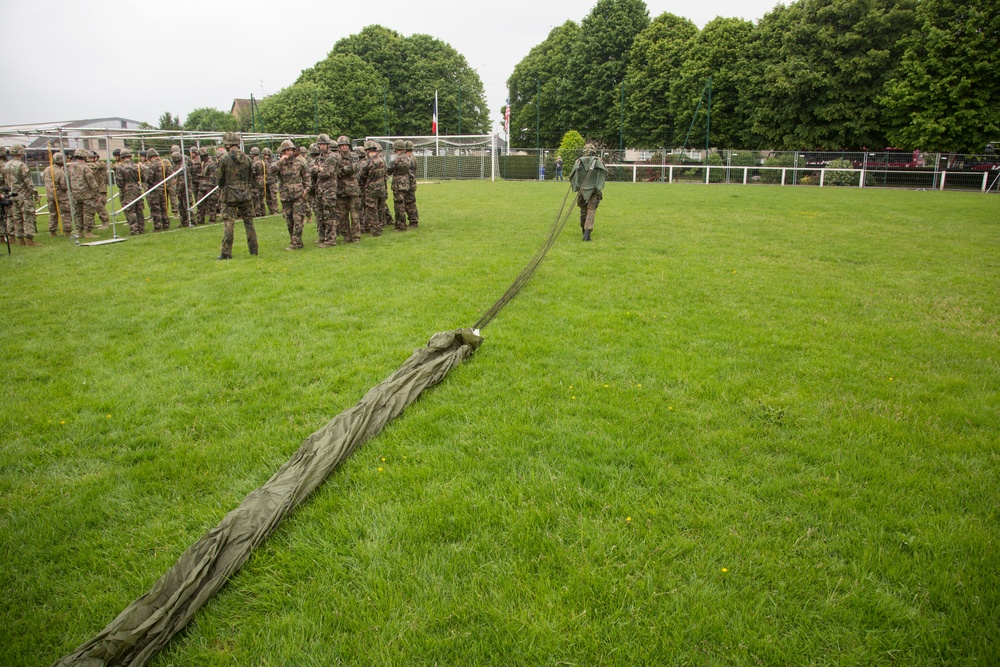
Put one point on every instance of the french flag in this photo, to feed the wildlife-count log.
(434, 122)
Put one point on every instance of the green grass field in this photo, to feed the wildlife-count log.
(745, 425)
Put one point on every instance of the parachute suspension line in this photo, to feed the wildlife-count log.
(529, 270)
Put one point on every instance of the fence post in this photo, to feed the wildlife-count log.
(944, 176)
(822, 174)
(708, 172)
(671, 175)
(745, 170)
(634, 167)
(985, 176)
(782, 175)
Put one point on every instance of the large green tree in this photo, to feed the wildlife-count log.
(207, 119)
(946, 92)
(543, 117)
(341, 94)
(598, 63)
(412, 69)
(718, 51)
(654, 64)
(822, 82)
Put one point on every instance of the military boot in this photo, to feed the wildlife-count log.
(31, 242)
(586, 235)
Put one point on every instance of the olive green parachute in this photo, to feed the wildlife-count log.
(149, 622)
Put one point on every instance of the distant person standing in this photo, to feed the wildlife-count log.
(57, 194)
(235, 176)
(559, 164)
(291, 177)
(399, 169)
(587, 180)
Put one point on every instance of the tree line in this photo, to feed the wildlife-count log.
(816, 74)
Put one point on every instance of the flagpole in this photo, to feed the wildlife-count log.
(437, 142)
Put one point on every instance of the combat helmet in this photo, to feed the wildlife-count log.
(176, 157)
(343, 141)
(17, 149)
(151, 152)
(361, 152)
(399, 145)
(314, 149)
(371, 145)
(58, 158)
(409, 145)
(266, 152)
(126, 152)
(285, 145)
(323, 139)
(589, 149)
(254, 151)
(203, 152)
(175, 149)
(230, 139)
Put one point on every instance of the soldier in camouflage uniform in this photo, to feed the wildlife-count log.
(399, 169)
(57, 194)
(362, 155)
(155, 173)
(21, 214)
(83, 191)
(194, 179)
(411, 195)
(324, 185)
(207, 183)
(258, 183)
(101, 176)
(129, 189)
(373, 177)
(307, 206)
(348, 193)
(235, 175)
(587, 181)
(270, 189)
(292, 178)
(179, 194)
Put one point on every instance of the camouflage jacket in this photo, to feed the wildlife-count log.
(235, 175)
(399, 169)
(208, 178)
(81, 180)
(17, 177)
(156, 172)
(194, 174)
(373, 176)
(324, 173)
(258, 171)
(127, 180)
(100, 174)
(347, 176)
(413, 172)
(54, 175)
(292, 178)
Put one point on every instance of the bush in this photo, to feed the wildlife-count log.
(774, 176)
(841, 177)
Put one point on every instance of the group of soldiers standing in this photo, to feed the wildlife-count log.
(344, 188)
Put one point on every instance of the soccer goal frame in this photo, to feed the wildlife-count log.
(457, 156)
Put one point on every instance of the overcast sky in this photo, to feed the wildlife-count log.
(139, 59)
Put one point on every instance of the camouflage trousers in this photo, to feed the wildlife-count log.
(231, 211)
(349, 218)
(401, 208)
(158, 209)
(207, 207)
(133, 214)
(383, 212)
(410, 199)
(294, 212)
(326, 219)
(59, 212)
(258, 201)
(271, 196)
(179, 204)
(83, 215)
(588, 209)
(101, 206)
(373, 213)
(21, 218)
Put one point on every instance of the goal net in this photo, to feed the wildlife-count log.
(468, 156)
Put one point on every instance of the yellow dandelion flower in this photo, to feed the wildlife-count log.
(63, 421)
(573, 397)
(725, 569)
(628, 519)
(383, 459)
(109, 416)
(380, 469)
